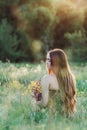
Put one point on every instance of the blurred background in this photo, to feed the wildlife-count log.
(29, 28)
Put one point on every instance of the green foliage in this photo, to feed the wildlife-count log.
(18, 110)
(82, 87)
(8, 41)
(38, 21)
(78, 42)
(11, 47)
(8, 2)
(67, 19)
(47, 21)
(85, 21)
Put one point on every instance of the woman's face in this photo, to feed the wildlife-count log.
(48, 61)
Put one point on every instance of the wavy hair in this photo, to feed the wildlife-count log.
(66, 80)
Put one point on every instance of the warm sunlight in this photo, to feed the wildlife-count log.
(81, 3)
(43, 64)
(77, 3)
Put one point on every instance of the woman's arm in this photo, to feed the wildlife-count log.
(45, 91)
(48, 82)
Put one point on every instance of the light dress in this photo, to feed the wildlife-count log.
(49, 83)
(50, 93)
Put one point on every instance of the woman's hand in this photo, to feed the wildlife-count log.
(37, 95)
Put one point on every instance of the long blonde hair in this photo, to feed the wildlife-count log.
(66, 80)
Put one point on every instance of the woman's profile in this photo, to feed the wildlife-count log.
(59, 83)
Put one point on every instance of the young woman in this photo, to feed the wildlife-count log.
(59, 83)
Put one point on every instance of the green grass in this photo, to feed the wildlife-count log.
(18, 110)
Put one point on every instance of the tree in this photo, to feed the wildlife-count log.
(85, 21)
(78, 47)
(67, 19)
(9, 43)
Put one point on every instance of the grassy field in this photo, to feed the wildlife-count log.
(17, 109)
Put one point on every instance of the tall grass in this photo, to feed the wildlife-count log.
(19, 111)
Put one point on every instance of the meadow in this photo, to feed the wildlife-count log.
(17, 110)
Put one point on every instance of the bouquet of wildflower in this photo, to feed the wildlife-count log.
(35, 89)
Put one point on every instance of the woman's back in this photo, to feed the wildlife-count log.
(60, 78)
(49, 84)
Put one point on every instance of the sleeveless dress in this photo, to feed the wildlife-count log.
(49, 92)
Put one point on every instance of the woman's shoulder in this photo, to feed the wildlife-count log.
(54, 82)
(45, 78)
(50, 80)
(48, 77)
